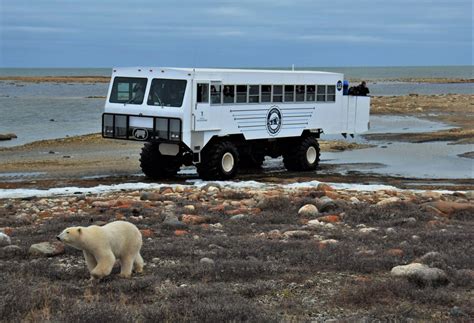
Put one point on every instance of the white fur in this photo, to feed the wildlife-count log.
(102, 246)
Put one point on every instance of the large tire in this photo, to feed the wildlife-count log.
(303, 155)
(157, 166)
(252, 160)
(219, 161)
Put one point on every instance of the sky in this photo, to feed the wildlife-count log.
(244, 33)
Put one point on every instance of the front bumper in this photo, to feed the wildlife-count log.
(141, 128)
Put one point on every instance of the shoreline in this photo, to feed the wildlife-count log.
(106, 79)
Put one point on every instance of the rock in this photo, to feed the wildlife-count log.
(147, 233)
(390, 231)
(420, 273)
(10, 251)
(189, 208)
(317, 223)
(171, 221)
(330, 218)
(207, 261)
(431, 195)
(211, 188)
(180, 233)
(323, 244)
(456, 311)
(4, 240)
(274, 234)
(308, 210)
(8, 136)
(390, 200)
(326, 204)
(195, 219)
(368, 230)
(395, 252)
(238, 217)
(297, 234)
(150, 196)
(469, 195)
(449, 208)
(46, 249)
(324, 187)
(354, 200)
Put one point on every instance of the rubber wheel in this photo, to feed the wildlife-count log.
(219, 161)
(157, 166)
(302, 156)
(251, 161)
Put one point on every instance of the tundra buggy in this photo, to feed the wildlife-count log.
(223, 119)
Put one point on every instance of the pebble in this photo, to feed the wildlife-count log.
(189, 208)
(194, 219)
(207, 261)
(4, 240)
(308, 210)
(390, 200)
(368, 230)
(238, 217)
(390, 231)
(317, 223)
(297, 234)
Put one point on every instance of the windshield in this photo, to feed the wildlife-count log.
(167, 93)
(130, 90)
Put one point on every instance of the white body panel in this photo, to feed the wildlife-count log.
(202, 121)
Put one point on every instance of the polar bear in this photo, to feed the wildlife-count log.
(102, 246)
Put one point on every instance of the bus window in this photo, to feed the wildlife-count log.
(299, 93)
(289, 93)
(167, 92)
(202, 93)
(278, 93)
(254, 93)
(266, 93)
(241, 94)
(331, 93)
(229, 93)
(321, 97)
(310, 91)
(216, 94)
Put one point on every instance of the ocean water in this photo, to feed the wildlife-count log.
(37, 111)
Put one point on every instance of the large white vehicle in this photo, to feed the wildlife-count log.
(223, 119)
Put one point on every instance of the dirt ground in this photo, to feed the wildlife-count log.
(217, 254)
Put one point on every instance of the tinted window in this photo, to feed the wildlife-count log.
(266, 93)
(254, 93)
(166, 92)
(289, 93)
(203, 93)
(331, 90)
(128, 90)
(321, 96)
(216, 94)
(241, 93)
(300, 93)
(278, 93)
(310, 92)
(229, 93)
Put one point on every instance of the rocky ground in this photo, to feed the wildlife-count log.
(217, 253)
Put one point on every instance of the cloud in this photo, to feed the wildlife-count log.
(343, 38)
(40, 29)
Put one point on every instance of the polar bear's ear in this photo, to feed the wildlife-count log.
(79, 230)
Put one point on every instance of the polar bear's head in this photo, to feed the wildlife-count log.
(71, 236)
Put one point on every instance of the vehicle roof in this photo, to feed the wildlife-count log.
(220, 70)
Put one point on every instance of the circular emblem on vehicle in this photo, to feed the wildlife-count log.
(274, 120)
(140, 133)
(339, 85)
